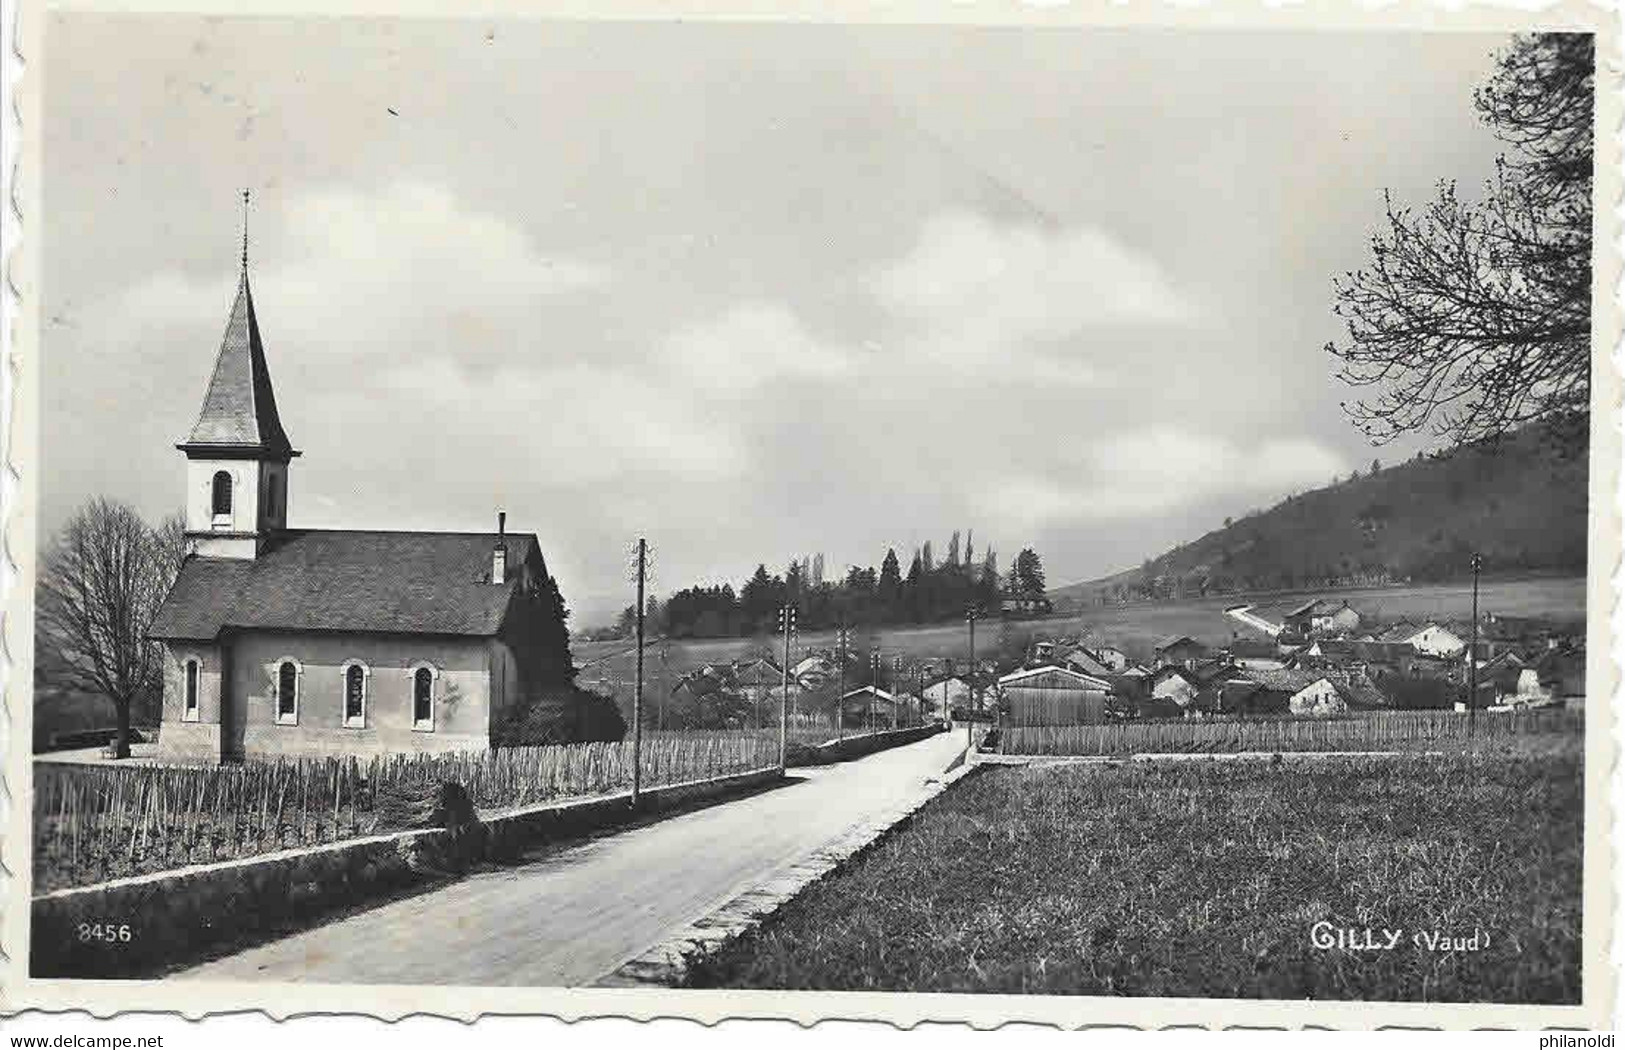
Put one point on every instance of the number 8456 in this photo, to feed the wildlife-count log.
(106, 932)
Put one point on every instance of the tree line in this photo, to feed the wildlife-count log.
(929, 591)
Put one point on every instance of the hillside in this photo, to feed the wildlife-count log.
(1523, 506)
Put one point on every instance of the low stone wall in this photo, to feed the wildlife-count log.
(147, 924)
(857, 746)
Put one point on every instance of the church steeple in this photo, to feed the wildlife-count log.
(239, 407)
(237, 452)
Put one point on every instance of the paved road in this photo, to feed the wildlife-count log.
(572, 914)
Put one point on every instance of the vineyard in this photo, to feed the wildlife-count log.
(94, 823)
(1375, 731)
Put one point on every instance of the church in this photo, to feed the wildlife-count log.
(304, 642)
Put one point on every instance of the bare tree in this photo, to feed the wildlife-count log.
(1474, 317)
(101, 586)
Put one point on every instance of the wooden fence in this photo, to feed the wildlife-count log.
(1373, 731)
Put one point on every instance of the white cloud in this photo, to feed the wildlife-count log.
(439, 312)
(575, 425)
(751, 345)
(451, 274)
(977, 287)
(1162, 469)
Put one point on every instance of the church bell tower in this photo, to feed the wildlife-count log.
(237, 454)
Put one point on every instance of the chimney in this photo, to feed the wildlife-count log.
(499, 553)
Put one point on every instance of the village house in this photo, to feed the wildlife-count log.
(1307, 618)
(1180, 650)
(1437, 640)
(813, 670)
(1310, 693)
(759, 679)
(871, 707)
(1025, 603)
(1260, 655)
(1175, 685)
(1400, 632)
(284, 641)
(1054, 696)
(1115, 659)
(1086, 662)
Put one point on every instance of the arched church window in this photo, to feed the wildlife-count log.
(221, 498)
(189, 712)
(423, 698)
(287, 693)
(355, 695)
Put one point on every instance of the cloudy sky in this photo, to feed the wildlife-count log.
(753, 291)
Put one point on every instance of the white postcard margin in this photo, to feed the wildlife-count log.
(18, 504)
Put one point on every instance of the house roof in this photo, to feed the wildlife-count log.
(1306, 607)
(1282, 681)
(1172, 670)
(755, 672)
(700, 684)
(1087, 661)
(1359, 692)
(1084, 680)
(866, 690)
(239, 409)
(1402, 631)
(1215, 670)
(1174, 639)
(344, 580)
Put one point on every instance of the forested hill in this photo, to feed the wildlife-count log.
(1523, 506)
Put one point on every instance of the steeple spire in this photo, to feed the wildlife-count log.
(245, 232)
(239, 408)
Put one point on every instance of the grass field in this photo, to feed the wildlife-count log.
(1205, 879)
(1134, 628)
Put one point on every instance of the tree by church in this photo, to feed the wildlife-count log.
(101, 584)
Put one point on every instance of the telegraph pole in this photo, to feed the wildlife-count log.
(842, 636)
(897, 672)
(975, 694)
(787, 624)
(874, 684)
(637, 690)
(1472, 651)
(665, 654)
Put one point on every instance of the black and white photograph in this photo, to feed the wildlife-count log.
(736, 510)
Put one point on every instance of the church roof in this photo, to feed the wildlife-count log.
(354, 581)
(239, 408)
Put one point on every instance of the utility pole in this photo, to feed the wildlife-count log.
(874, 684)
(975, 694)
(1472, 651)
(842, 637)
(637, 691)
(787, 624)
(665, 685)
(897, 672)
